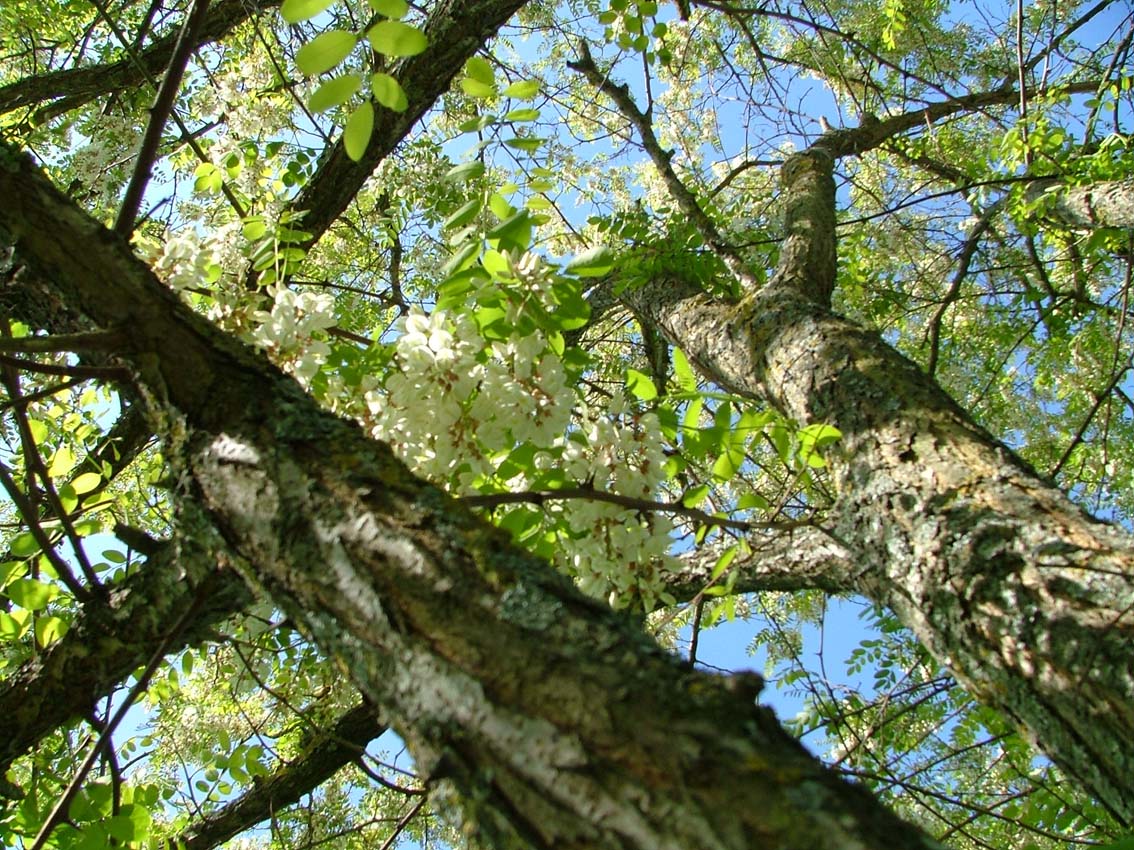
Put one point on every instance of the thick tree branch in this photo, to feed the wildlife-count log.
(329, 751)
(545, 708)
(805, 558)
(1023, 596)
(1108, 204)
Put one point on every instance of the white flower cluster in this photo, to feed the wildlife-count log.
(423, 413)
(103, 164)
(184, 260)
(287, 331)
(247, 97)
(457, 406)
(613, 551)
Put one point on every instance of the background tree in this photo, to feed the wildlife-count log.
(608, 283)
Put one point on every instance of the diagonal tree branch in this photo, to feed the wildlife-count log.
(984, 560)
(456, 30)
(328, 752)
(159, 114)
(543, 707)
(113, 636)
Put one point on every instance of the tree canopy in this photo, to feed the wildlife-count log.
(448, 369)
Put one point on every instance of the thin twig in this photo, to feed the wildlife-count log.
(159, 114)
(541, 497)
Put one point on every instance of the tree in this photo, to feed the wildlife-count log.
(375, 482)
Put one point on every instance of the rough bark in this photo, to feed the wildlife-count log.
(328, 752)
(76, 86)
(797, 559)
(561, 724)
(1107, 204)
(1023, 596)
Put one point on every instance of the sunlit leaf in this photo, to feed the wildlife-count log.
(334, 92)
(465, 171)
(641, 385)
(393, 38)
(522, 90)
(481, 70)
(390, 8)
(31, 594)
(325, 51)
(49, 629)
(594, 262)
(464, 214)
(475, 88)
(356, 133)
(294, 11)
(389, 92)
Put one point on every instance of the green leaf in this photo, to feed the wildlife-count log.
(461, 260)
(500, 206)
(294, 11)
(727, 464)
(496, 264)
(641, 385)
(523, 90)
(522, 115)
(481, 70)
(726, 558)
(30, 594)
(334, 92)
(694, 496)
(356, 134)
(514, 233)
(475, 88)
(393, 38)
(464, 214)
(389, 92)
(752, 501)
(85, 482)
(49, 629)
(465, 171)
(13, 626)
(390, 8)
(325, 51)
(594, 262)
(24, 544)
(683, 372)
(819, 436)
(525, 143)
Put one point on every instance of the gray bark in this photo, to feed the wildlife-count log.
(1025, 598)
(1107, 204)
(560, 724)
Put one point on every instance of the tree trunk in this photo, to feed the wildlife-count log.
(1025, 598)
(560, 724)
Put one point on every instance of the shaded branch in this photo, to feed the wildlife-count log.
(159, 114)
(804, 558)
(328, 752)
(1105, 204)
